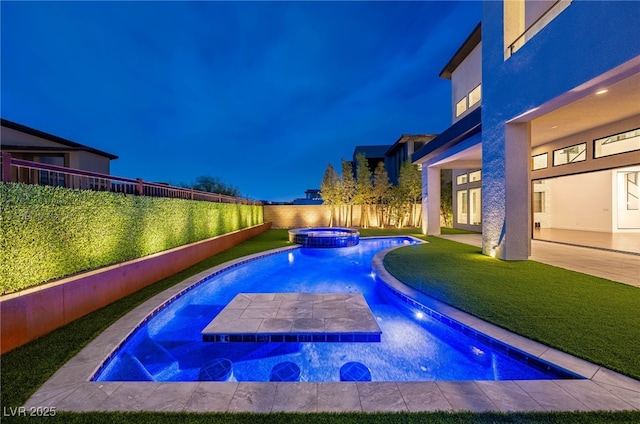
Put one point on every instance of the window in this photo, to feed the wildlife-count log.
(461, 179)
(538, 201)
(461, 106)
(618, 143)
(462, 207)
(540, 161)
(475, 96)
(475, 203)
(571, 154)
(475, 176)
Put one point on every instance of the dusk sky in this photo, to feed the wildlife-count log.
(262, 95)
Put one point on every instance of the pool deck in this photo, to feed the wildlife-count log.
(70, 388)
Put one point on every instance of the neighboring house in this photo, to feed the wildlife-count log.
(560, 141)
(312, 197)
(393, 155)
(26, 143)
(374, 155)
(401, 152)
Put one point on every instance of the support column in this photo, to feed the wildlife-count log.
(506, 210)
(430, 200)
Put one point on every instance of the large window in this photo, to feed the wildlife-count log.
(523, 19)
(462, 209)
(618, 143)
(570, 154)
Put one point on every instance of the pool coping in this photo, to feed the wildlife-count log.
(70, 388)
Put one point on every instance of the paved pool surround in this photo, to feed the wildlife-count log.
(70, 388)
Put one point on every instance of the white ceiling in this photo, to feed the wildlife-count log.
(622, 100)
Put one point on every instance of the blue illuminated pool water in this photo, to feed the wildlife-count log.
(169, 346)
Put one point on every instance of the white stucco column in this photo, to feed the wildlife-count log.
(506, 205)
(430, 200)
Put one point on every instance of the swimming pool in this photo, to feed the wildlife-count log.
(413, 346)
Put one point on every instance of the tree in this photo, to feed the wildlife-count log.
(212, 184)
(329, 189)
(410, 182)
(381, 190)
(364, 188)
(347, 190)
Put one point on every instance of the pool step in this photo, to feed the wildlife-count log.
(294, 318)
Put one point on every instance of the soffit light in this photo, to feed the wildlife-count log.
(604, 90)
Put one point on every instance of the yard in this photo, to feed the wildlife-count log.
(586, 316)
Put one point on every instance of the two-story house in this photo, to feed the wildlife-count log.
(558, 140)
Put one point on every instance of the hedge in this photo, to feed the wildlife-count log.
(52, 232)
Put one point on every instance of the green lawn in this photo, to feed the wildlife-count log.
(25, 369)
(589, 317)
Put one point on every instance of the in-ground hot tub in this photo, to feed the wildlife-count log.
(325, 237)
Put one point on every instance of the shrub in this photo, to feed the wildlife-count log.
(52, 232)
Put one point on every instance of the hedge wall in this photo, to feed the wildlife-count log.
(52, 232)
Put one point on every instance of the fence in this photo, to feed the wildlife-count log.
(28, 172)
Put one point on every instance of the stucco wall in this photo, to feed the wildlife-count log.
(301, 216)
(466, 77)
(296, 216)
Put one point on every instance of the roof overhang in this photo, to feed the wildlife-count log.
(455, 134)
(469, 44)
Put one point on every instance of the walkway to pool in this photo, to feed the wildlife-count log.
(70, 388)
(623, 267)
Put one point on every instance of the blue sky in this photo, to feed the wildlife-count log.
(262, 95)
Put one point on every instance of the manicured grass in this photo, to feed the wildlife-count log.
(589, 317)
(343, 418)
(25, 369)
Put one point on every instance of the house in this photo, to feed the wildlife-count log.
(374, 154)
(312, 197)
(559, 139)
(394, 155)
(27, 143)
(401, 151)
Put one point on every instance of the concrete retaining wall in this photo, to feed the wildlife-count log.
(31, 313)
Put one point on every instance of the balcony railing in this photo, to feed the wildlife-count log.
(28, 172)
(536, 26)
